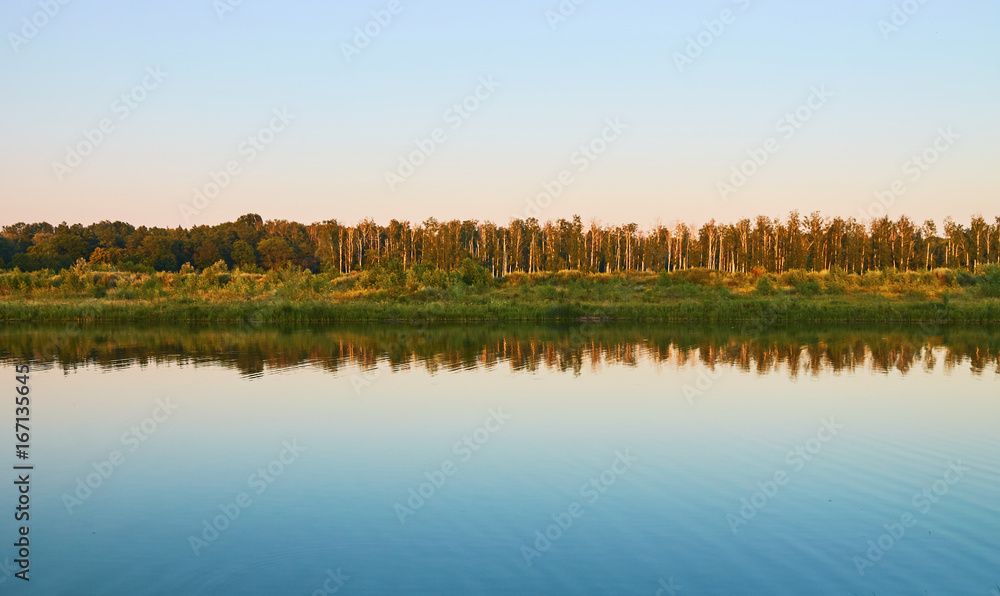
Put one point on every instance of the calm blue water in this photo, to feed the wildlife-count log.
(648, 476)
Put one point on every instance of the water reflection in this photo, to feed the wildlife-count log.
(252, 349)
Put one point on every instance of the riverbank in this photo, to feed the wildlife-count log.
(791, 309)
(699, 296)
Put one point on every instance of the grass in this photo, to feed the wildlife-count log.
(219, 295)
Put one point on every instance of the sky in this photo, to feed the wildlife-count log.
(628, 111)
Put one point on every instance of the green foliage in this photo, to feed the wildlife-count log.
(793, 277)
(664, 279)
(806, 287)
(946, 277)
(243, 254)
(435, 278)
(700, 276)
(472, 273)
(966, 279)
(151, 287)
(989, 286)
(386, 285)
(836, 286)
(548, 292)
(765, 287)
(871, 279)
(275, 252)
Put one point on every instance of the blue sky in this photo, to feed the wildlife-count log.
(354, 120)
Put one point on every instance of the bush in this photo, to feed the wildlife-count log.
(765, 287)
(151, 287)
(871, 279)
(807, 287)
(793, 277)
(435, 279)
(664, 280)
(889, 274)
(989, 283)
(836, 287)
(700, 276)
(722, 291)
(945, 277)
(472, 273)
(548, 292)
(127, 293)
(966, 279)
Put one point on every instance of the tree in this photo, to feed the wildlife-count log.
(275, 252)
(243, 254)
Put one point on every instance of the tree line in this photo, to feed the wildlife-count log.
(774, 245)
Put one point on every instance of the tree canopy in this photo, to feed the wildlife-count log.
(768, 244)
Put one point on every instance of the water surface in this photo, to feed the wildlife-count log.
(430, 460)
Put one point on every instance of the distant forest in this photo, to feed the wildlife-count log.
(763, 244)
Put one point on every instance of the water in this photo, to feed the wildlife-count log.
(434, 460)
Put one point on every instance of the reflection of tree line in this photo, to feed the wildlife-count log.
(252, 349)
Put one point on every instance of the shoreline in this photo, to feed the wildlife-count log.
(769, 310)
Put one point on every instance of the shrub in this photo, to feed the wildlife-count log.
(435, 279)
(664, 280)
(548, 292)
(127, 293)
(989, 286)
(966, 279)
(472, 273)
(945, 277)
(871, 279)
(700, 276)
(765, 287)
(807, 287)
(793, 277)
(836, 287)
(889, 274)
(151, 287)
